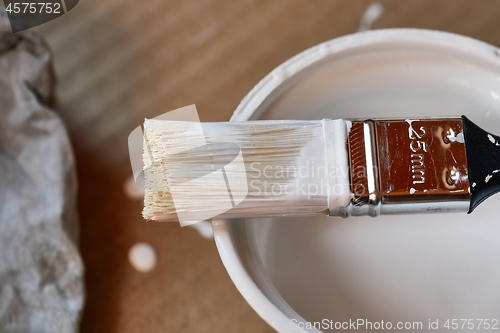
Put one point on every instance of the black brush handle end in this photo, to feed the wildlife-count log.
(483, 159)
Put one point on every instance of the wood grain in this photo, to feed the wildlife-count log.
(119, 61)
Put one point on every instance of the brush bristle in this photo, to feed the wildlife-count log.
(199, 171)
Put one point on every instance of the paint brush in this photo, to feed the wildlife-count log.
(268, 168)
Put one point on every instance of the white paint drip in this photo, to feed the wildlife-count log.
(412, 190)
(491, 138)
(487, 179)
(456, 138)
(142, 256)
(204, 228)
(372, 13)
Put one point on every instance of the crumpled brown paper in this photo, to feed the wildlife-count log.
(41, 285)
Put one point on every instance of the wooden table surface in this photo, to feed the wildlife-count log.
(119, 61)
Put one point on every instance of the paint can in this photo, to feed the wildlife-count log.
(397, 269)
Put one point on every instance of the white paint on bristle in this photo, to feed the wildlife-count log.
(297, 168)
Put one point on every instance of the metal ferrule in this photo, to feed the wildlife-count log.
(407, 166)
